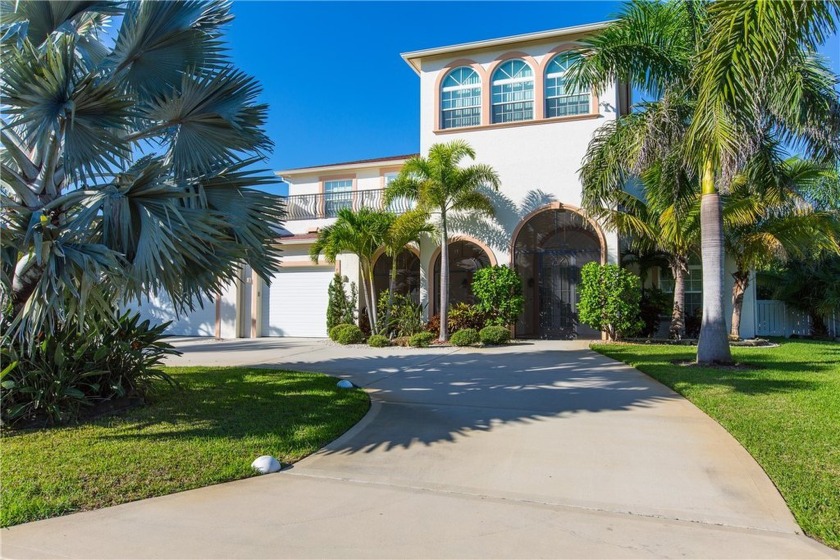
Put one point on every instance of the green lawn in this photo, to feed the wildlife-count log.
(209, 432)
(786, 413)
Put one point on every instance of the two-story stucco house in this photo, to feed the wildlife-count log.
(507, 98)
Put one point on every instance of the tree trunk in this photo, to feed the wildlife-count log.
(392, 286)
(444, 280)
(742, 280)
(713, 345)
(374, 328)
(371, 310)
(678, 267)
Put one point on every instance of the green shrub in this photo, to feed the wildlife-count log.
(494, 334)
(499, 293)
(405, 317)
(70, 369)
(609, 299)
(421, 339)
(466, 316)
(378, 341)
(465, 337)
(347, 334)
(653, 305)
(401, 341)
(341, 308)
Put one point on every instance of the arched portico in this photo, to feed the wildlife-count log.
(466, 255)
(408, 273)
(549, 247)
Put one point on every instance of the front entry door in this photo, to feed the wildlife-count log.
(557, 295)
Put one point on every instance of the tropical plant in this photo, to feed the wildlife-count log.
(399, 315)
(494, 335)
(421, 339)
(653, 304)
(67, 372)
(645, 192)
(406, 228)
(748, 71)
(465, 337)
(466, 316)
(440, 185)
(127, 161)
(361, 232)
(341, 307)
(811, 285)
(378, 341)
(780, 224)
(499, 293)
(609, 299)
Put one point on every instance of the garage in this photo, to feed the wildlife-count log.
(201, 321)
(296, 302)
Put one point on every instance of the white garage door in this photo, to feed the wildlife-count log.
(199, 322)
(296, 302)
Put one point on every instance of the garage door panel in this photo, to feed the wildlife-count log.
(297, 302)
(201, 321)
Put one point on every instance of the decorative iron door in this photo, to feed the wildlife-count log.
(558, 278)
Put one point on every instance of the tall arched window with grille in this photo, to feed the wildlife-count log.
(560, 100)
(513, 92)
(460, 98)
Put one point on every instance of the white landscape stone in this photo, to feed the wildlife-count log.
(344, 384)
(266, 464)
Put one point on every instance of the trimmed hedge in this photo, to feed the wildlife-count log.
(494, 335)
(378, 341)
(465, 337)
(347, 334)
(421, 339)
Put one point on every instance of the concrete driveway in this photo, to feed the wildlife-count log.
(536, 450)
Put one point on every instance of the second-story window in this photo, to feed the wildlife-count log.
(513, 92)
(337, 194)
(560, 100)
(460, 98)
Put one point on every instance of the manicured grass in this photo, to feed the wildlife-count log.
(209, 432)
(785, 412)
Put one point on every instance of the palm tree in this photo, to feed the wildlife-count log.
(406, 228)
(439, 185)
(781, 224)
(634, 182)
(360, 233)
(126, 167)
(748, 71)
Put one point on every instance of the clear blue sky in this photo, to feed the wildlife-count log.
(332, 73)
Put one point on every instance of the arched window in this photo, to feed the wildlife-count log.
(465, 258)
(561, 101)
(513, 92)
(460, 98)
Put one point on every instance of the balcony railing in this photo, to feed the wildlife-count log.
(327, 205)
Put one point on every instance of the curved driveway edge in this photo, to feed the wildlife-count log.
(541, 449)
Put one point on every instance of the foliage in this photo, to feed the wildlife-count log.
(341, 307)
(494, 335)
(465, 337)
(653, 304)
(359, 232)
(225, 416)
(499, 293)
(433, 325)
(609, 299)
(421, 339)
(378, 341)
(693, 324)
(440, 185)
(347, 334)
(466, 316)
(402, 341)
(71, 369)
(729, 77)
(406, 228)
(127, 161)
(812, 286)
(399, 315)
(784, 411)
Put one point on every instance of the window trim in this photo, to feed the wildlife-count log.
(546, 76)
(510, 81)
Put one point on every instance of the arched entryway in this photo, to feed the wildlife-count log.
(408, 274)
(549, 248)
(465, 257)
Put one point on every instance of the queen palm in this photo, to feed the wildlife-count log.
(361, 233)
(749, 72)
(126, 166)
(781, 224)
(440, 185)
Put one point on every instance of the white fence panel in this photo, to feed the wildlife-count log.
(774, 318)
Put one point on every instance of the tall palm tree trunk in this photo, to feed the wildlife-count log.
(742, 281)
(366, 281)
(677, 329)
(444, 280)
(392, 287)
(374, 328)
(713, 345)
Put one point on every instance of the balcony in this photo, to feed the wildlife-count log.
(327, 205)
